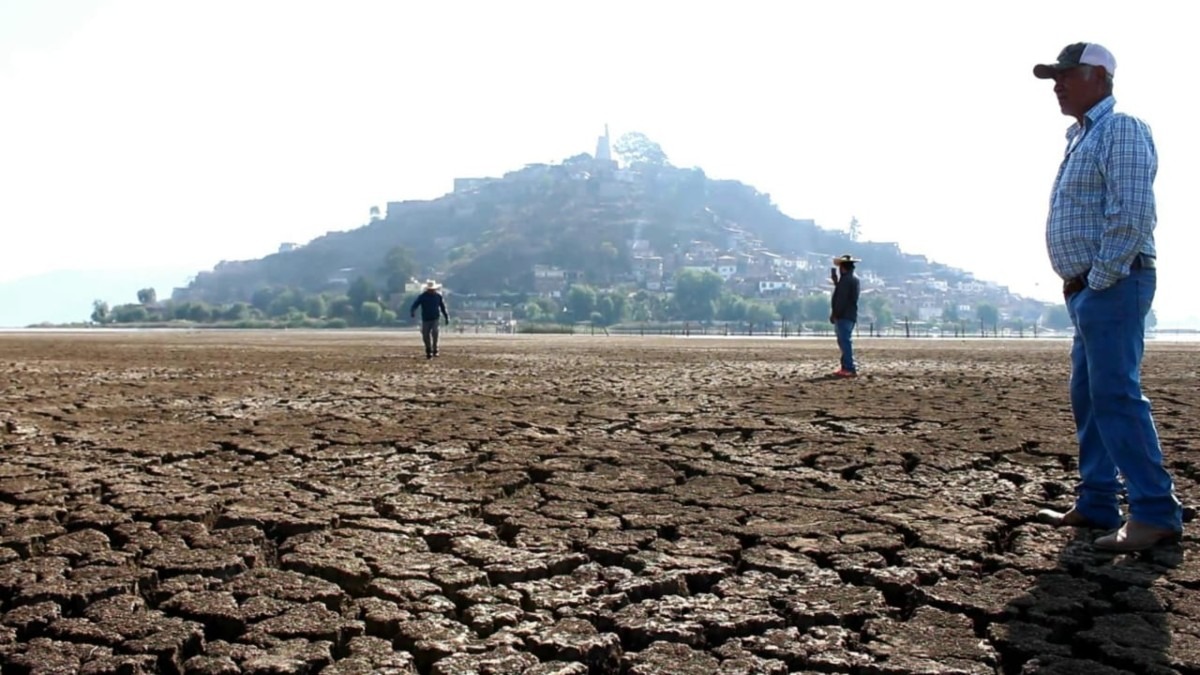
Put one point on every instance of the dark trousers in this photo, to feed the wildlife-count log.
(429, 335)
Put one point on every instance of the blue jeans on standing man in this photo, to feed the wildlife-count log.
(844, 328)
(1114, 426)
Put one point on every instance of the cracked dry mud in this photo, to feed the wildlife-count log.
(212, 503)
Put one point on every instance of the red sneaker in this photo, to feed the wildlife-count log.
(842, 372)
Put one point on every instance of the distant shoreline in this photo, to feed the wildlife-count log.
(1157, 335)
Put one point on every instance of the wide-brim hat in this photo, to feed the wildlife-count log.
(846, 259)
(432, 285)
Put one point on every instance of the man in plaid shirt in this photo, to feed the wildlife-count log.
(1100, 237)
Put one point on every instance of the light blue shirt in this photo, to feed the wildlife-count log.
(1102, 211)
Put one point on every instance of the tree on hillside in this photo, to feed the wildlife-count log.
(374, 213)
(855, 229)
(261, 298)
(315, 306)
(988, 314)
(285, 302)
(731, 307)
(696, 294)
(816, 307)
(341, 308)
(760, 313)
(370, 313)
(238, 311)
(791, 309)
(398, 267)
(580, 302)
(611, 307)
(361, 291)
(635, 148)
(147, 296)
(879, 311)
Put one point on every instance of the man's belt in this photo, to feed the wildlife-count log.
(1075, 284)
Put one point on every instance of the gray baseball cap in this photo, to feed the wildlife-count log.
(1078, 54)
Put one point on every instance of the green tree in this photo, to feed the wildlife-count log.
(731, 307)
(100, 313)
(130, 314)
(636, 148)
(1151, 319)
(580, 302)
(285, 302)
(696, 294)
(147, 296)
(987, 314)
(817, 308)
(791, 309)
(199, 312)
(529, 311)
(370, 313)
(1056, 317)
(261, 298)
(238, 311)
(398, 268)
(879, 310)
(550, 309)
(361, 290)
(610, 308)
(950, 312)
(315, 306)
(644, 306)
(341, 308)
(761, 313)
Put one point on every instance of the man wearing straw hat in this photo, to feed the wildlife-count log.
(844, 312)
(432, 305)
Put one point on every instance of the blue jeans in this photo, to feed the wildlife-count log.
(844, 329)
(1112, 418)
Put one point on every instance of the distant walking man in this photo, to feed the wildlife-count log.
(844, 314)
(1100, 239)
(432, 304)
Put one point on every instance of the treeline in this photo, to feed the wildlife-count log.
(699, 296)
(362, 305)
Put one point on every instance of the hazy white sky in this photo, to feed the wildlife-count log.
(151, 132)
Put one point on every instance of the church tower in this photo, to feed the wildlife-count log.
(603, 148)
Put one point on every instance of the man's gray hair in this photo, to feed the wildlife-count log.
(1108, 77)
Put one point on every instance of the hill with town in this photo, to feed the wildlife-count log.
(588, 239)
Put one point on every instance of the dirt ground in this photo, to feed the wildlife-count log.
(280, 502)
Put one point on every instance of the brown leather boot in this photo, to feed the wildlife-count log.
(1071, 518)
(1135, 536)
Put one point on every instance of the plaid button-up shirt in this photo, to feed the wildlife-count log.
(1102, 210)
